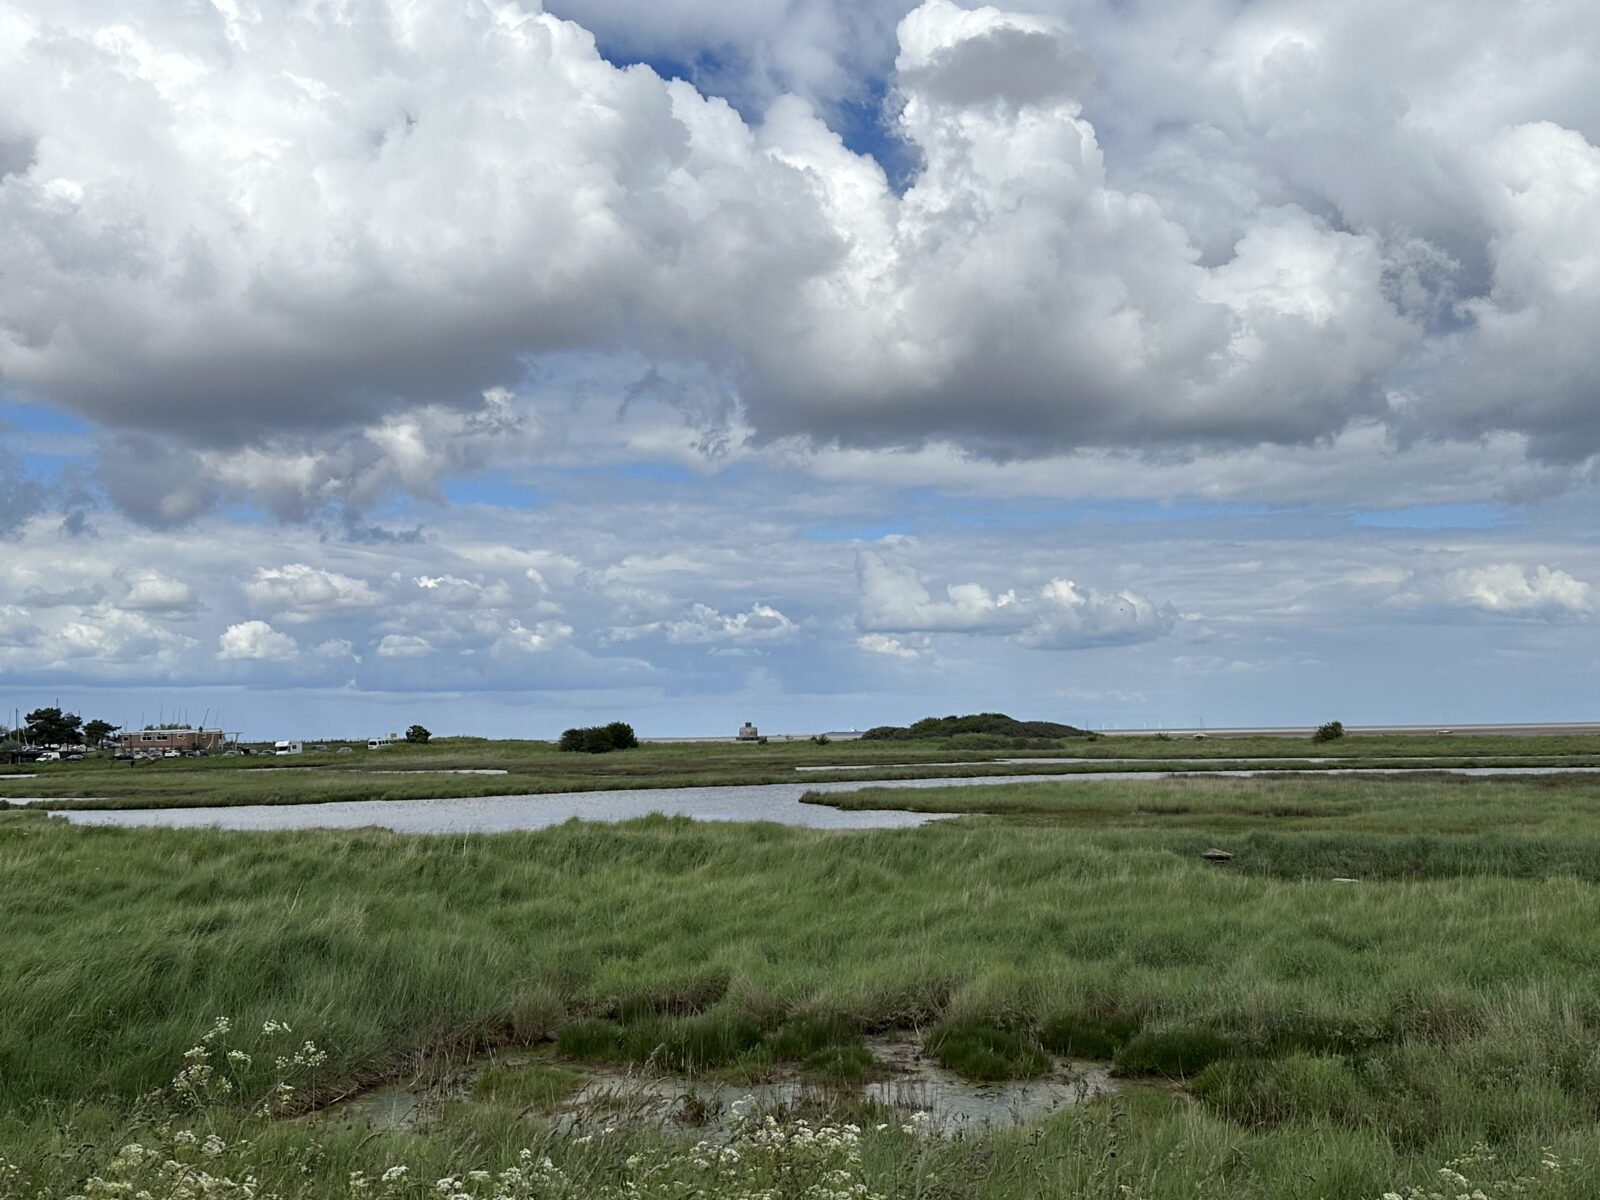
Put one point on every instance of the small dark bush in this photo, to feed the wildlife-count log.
(980, 1051)
(417, 735)
(599, 739)
(1175, 1053)
(1086, 1037)
(622, 736)
(1330, 732)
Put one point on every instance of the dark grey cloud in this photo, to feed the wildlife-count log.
(21, 495)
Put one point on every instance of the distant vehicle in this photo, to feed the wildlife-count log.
(172, 754)
(345, 750)
(287, 748)
(124, 756)
(49, 756)
(74, 758)
(1199, 737)
(378, 743)
(1447, 731)
(320, 749)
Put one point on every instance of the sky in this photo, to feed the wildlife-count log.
(818, 363)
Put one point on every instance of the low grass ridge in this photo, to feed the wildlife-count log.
(994, 725)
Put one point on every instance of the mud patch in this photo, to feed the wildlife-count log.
(903, 1082)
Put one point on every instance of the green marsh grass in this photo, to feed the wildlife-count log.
(980, 1050)
(536, 1085)
(1342, 1040)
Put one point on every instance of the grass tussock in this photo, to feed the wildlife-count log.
(981, 1051)
(1171, 1053)
(541, 1086)
(1075, 1036)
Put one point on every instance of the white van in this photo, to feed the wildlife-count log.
(378, 743)
(287, 747)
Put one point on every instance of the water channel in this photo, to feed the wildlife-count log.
(906, 1081)
(779, 802)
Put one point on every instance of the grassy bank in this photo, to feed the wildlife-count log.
(1338, 1040)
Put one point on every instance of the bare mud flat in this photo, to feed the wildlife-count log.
(904, 1082)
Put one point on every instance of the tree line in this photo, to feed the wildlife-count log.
(53, 727)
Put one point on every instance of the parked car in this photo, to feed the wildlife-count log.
(49, 756)
(74, 758)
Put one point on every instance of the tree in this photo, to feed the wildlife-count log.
(418, 736)
(599, 739)
(1331, 732)
(52, 727)
(95, 732)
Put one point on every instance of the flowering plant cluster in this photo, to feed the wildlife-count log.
(179, 1153)
(1479, 1175)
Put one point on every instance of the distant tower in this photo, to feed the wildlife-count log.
(748, 733)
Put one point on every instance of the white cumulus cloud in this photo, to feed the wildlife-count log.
(255, 641)
(1061, 615)
(1511, 588)
(297, 592)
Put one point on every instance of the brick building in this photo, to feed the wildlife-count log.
(183, 738)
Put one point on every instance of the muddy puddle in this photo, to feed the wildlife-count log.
(904, 1082)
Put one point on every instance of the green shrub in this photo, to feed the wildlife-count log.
(980, 1051)
(1174, 1053)
(1330, 732)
